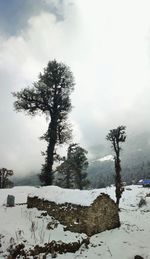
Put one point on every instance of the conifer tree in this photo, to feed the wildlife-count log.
(73, 171)
(50, 95)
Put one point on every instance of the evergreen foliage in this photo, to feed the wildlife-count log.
(4, 178)
(73, 171)
(50, 95)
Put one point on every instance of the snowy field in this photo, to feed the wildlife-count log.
(28, 226)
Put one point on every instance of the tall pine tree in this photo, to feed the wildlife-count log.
(50, 95)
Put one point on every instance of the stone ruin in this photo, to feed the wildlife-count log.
(100, 215)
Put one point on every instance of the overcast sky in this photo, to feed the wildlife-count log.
(107, 46)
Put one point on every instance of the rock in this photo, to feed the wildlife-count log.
(52, 225)
(44, 214)
(138, 257)
(10, 201)
(142, 202)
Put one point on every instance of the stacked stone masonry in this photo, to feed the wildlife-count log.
(101, 215)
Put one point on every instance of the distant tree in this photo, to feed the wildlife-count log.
(100, 174)
(4, 178)
(65, 174)
(116, 137)
(74, 168)
(50, 95)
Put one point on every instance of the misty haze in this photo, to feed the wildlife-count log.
(75, 129)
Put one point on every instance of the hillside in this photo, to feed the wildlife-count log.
(31, 179)
(135, 160)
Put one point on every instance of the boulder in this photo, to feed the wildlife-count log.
(10, 200)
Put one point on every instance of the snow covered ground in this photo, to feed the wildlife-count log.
(28, 226)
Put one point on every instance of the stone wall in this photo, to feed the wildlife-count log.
(100, 216)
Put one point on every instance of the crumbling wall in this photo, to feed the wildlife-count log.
(100, 216)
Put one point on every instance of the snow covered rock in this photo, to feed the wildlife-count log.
(83, 211)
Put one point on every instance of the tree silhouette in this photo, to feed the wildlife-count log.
(50, 95)
(73, 171)
(4, 177)
(116, 137)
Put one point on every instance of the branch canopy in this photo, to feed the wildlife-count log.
(49, 94)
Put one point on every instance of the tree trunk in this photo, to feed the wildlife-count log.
(79, 179)
(0, 182)
(118, 181)
(68, 185)
(52, 139)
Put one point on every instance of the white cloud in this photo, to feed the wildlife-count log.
(106, 44)
(21, 59)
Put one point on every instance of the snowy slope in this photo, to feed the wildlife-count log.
(20, 224)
